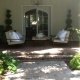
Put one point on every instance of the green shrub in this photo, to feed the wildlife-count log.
(75, 61)
(7, 62)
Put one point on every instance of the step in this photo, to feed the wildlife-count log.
(29, 57)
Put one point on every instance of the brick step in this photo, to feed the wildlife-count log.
(30, 57)
(36, 59)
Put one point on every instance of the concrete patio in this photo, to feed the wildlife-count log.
(43, 70)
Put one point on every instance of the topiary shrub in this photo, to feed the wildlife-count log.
(75, 61)
(7, 62)
(8, 21)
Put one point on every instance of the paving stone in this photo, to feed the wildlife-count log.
(43, 70)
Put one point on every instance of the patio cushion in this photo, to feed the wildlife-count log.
(19, 34)
(61, 34)
(58, 34)
(14, 36)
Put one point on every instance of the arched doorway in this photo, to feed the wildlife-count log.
(38, 18)
(36, 21)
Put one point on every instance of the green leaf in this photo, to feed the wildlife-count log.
(9, 67)
(7, 62)
(1, 70)
(78, 67)
(75, 61)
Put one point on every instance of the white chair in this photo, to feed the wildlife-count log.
(10, 42)
(57, 40)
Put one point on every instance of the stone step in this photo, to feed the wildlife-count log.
(30, 57)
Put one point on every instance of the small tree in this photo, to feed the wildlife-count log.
(8, 21)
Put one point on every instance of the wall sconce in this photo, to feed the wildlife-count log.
(37, 2)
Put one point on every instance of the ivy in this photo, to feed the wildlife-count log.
(7, 62)
(75, 61)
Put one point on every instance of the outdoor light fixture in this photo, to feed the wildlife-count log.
(37, 2)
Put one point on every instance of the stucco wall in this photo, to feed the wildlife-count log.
(58, 12)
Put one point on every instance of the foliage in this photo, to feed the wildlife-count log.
(7, 62)
(77, 31)
(8, 21)
(75, 61)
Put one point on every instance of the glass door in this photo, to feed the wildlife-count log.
(30, 20)
(37, 20)
(43, 22)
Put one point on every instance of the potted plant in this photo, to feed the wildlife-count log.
(1, 32)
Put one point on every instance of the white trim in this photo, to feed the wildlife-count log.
(36, 19)
(51, 21)
(22, 18)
